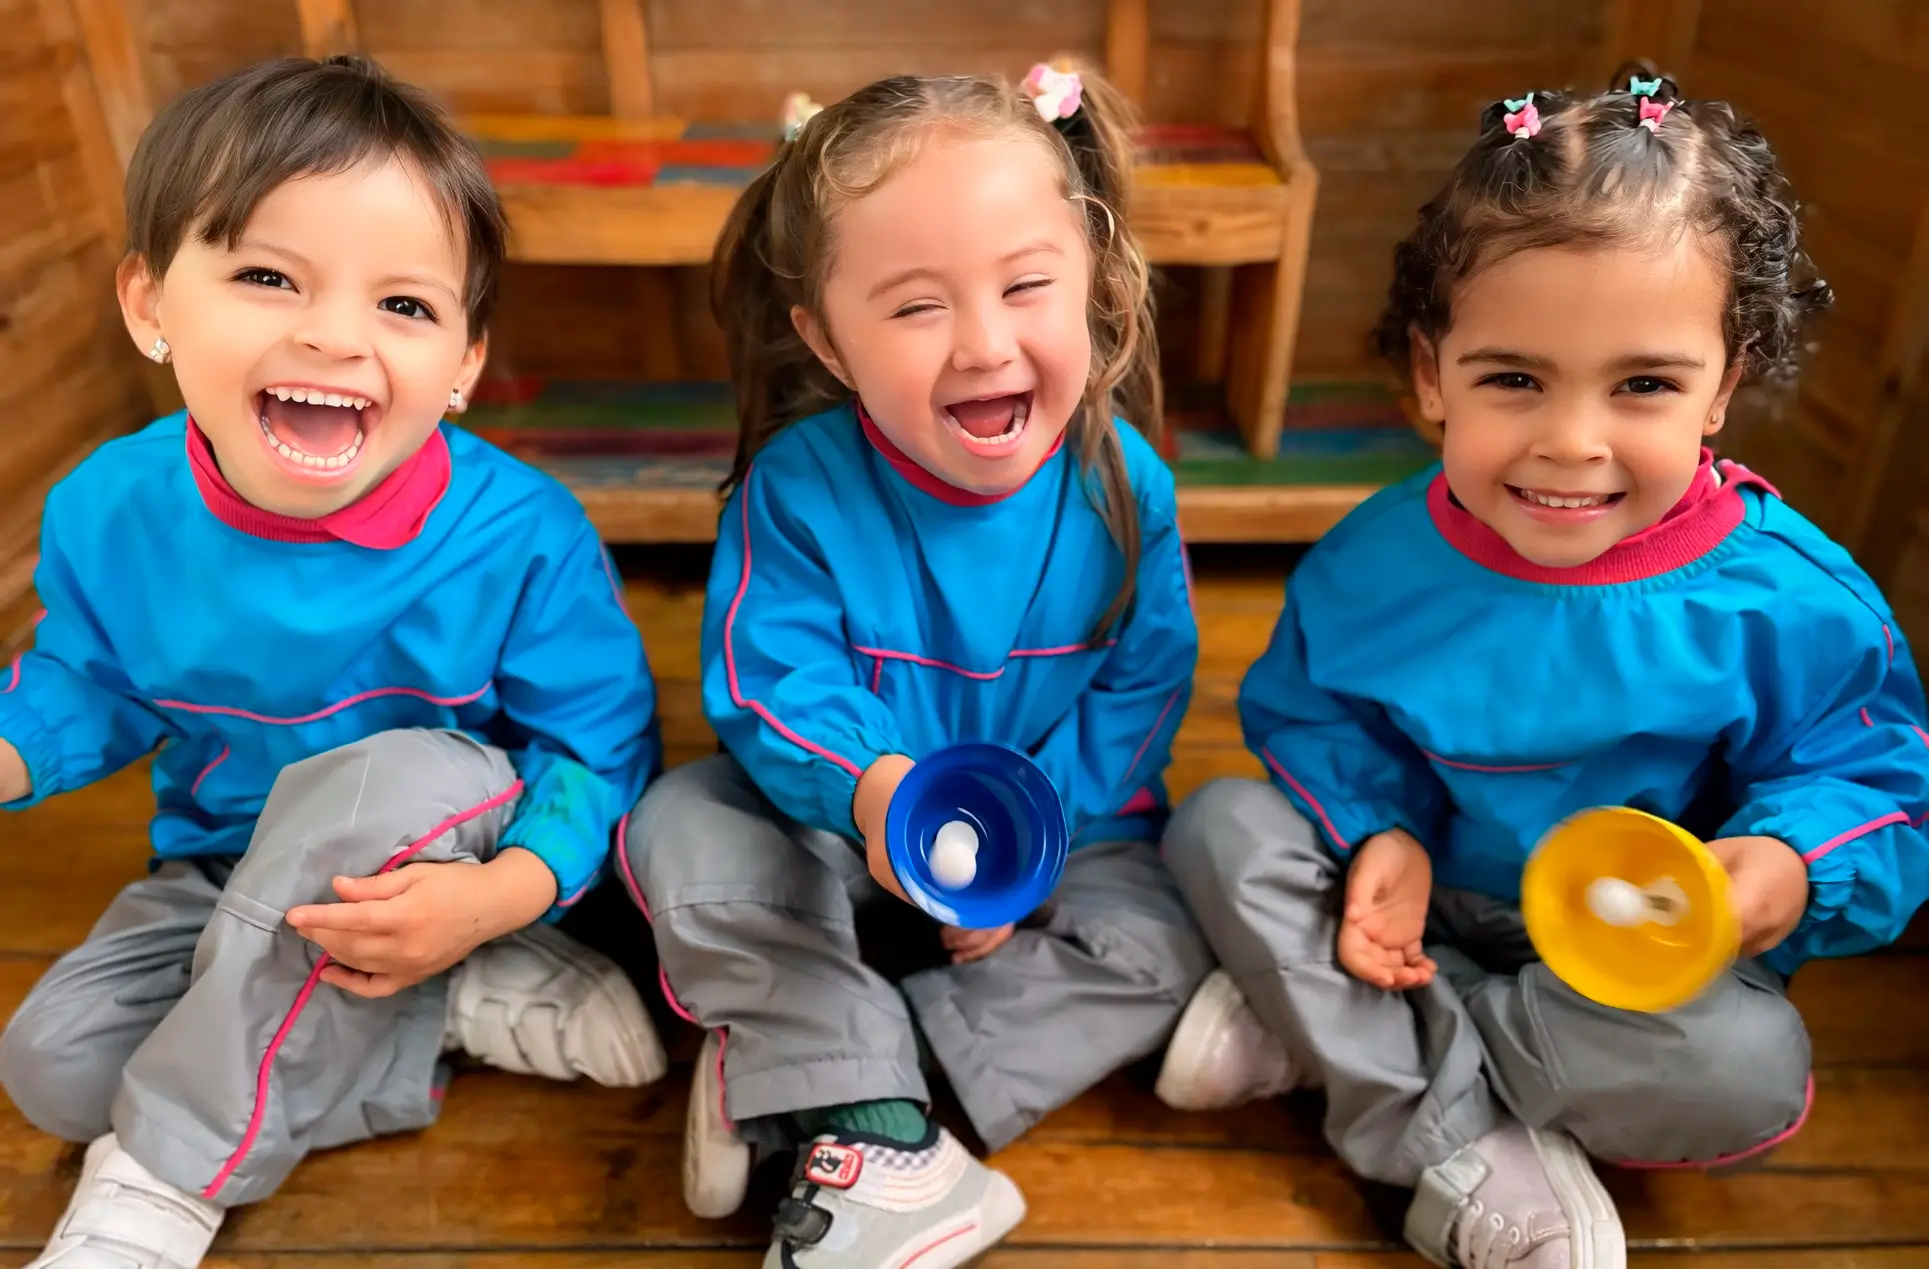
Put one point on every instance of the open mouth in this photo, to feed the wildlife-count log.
(990, 424)
(318, 431)
(1559, 501)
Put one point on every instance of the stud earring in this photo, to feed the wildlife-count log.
(160, 352)
(457, 403)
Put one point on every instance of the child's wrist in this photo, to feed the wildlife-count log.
(16, 781)
(872, 799)
(521, 889)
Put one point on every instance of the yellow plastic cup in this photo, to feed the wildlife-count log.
(1629, 910)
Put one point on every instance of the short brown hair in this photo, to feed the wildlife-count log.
(210, 157)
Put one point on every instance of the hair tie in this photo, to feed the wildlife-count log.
(1055, 93)
(1640, 87)
(798, 111)
(1652, 113)
(1523, 118)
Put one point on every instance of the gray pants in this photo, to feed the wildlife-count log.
(754, 922)
(1412, 1076)
(191, 1022)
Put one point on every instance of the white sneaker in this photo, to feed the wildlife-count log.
(863, 1203)
(716, 1166)
(1221, 1054)
(124, 1217)
(537, 1002)
(1518, 1198)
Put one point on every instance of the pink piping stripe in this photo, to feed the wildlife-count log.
(1866, 720)
(730, 655)
(616, 587)
(1474, 766)
(662, 974)
(15, 680)
(1333, 834)
(218, 760)
(1808, 1104)
(982, 676)
(401, 857)
(1861, 830)
(1923, 735)
(357, 699)
(877, 674)
(1145, 744)
(580, 892)
(934, 1244)
(1891, 640)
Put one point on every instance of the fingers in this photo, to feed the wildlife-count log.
(381, 886)
(355, 982)
(374, 916)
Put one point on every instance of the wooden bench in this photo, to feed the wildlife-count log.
(639, 188)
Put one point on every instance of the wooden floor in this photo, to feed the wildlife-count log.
(520, 1172)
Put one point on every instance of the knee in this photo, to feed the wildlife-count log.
(54, 1074)
(1704, 1093)
(1232, 832)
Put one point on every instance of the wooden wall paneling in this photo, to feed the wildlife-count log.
(1128, 37)
(1885, 509)
(327, 27)
(626, 59)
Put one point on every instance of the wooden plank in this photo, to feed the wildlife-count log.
(1005, 1257)
(327, 27)
(761, 25)
(1127, 41)
(107, 30)
(626, 59)
(1357, 91)
(666, 224)
(1911, 1257)
(38, 128)
(1178, 224)
(510, 81)
(1446, 30)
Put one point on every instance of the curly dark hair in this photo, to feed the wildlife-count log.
(1595, 175)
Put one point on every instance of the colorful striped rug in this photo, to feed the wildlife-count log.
(682, 436)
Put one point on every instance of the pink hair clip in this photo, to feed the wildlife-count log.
(1055, 93)
(1653, 112)
(1523, 118)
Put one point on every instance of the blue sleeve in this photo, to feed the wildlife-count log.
(575, 685)
(1338, 758)
(1847, 787)
(779, 682)
(1117, 738)
(67, 706)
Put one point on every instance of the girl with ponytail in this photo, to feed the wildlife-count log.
(947, 522)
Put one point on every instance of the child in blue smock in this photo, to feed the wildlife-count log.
(1578, 607)
(939, 530)
(395, 707)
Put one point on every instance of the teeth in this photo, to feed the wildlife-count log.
(314, 396)
(1565, 504)
(294, 455)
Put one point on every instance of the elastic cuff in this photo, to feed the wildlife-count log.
(35, 745)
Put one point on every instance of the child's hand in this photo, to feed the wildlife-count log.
(974, 945)
(394, 930)
(873, 798)
(15, 781)
(1386, 913)
(1767, 887)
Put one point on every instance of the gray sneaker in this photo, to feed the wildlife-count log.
(861, 1202)
(1518, 1198)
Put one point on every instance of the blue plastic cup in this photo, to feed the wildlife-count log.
(1020, 821)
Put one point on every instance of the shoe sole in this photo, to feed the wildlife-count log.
(1190, 1045)
(716, 1166)
(624, 1005)
(968, 1236)
(1594, 1227)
